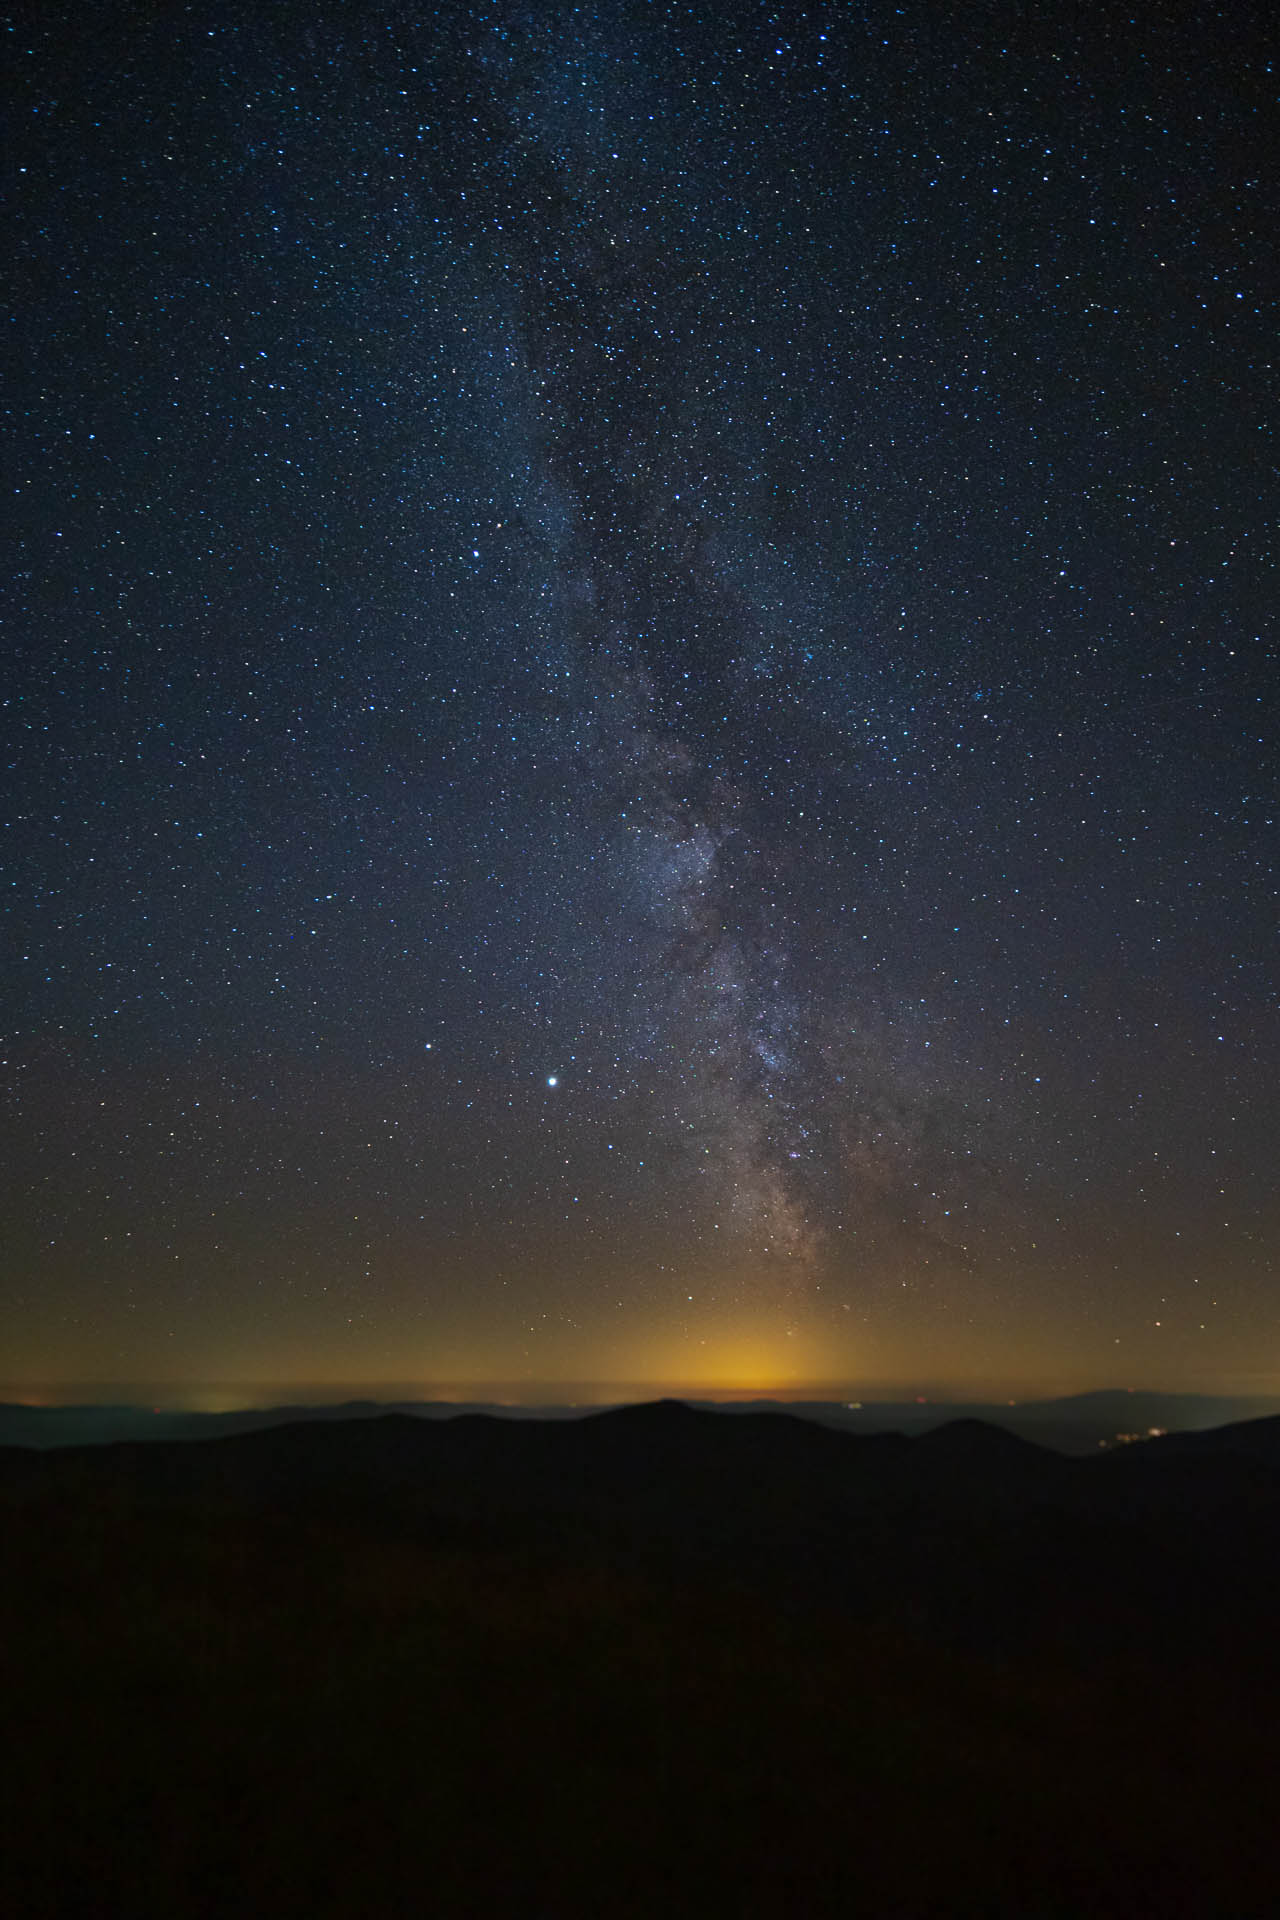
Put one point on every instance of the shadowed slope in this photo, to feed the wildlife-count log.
(655, 1660)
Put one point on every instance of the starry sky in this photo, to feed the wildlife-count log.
(640, 697)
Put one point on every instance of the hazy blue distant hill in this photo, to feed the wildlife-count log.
(1083, 1420)
(79, 1426)
(1078, 1423)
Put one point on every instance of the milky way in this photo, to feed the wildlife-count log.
(707, 733)
(643, 712)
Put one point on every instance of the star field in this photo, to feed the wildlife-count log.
(640, 701)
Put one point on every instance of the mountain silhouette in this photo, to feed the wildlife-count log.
(652, 1659)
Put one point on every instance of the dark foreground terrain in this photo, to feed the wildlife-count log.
(653, 1662)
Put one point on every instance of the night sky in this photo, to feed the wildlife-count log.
(640, 698)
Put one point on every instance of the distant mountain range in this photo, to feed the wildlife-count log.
(1080, 1424)
(652, 1659)
(972, 1531)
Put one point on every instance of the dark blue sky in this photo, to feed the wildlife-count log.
(640, 698)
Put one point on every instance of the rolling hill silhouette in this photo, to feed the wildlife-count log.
(654, 1658)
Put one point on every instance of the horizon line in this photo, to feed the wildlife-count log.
(259, 1396)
